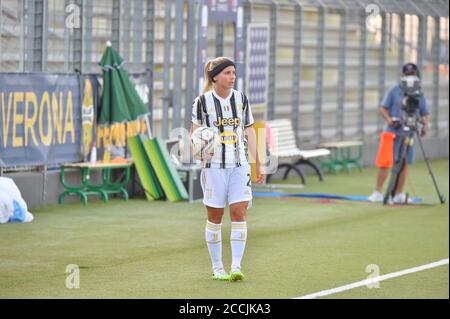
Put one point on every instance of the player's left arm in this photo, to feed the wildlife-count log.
(251, 141)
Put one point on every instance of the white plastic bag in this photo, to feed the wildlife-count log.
(13, 207)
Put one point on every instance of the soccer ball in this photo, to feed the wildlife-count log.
(204, 140)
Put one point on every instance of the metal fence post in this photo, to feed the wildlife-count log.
(125, 26)
(167, 64)
(78, 40)
(44, 44)
(115, 24)
(178, 64)
(319, 73)
(341, 74)
(66, 38)
(190, 63)
(401, 45)
(272, 61)
(149, 57)
(382, 67)
(436, 58)
(21, 5)
(35, 32)
(247, 20)
(422, 40)
(296, 75)
(362, 72)
(88, 11)
(219, 38)
(137, 35)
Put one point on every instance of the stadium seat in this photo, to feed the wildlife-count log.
(282, 143)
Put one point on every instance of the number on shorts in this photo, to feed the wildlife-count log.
(249, 183)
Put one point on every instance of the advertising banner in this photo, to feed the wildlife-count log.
(41, 120)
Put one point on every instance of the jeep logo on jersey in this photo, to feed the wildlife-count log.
(228, 138)
(228, 122)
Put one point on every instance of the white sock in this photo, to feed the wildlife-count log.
(213, 237)
(238, 239)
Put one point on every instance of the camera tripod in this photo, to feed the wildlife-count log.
(408, 134)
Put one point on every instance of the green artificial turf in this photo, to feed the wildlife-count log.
(141, 249)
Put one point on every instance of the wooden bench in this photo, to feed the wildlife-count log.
(342, 157)
(286, 147)
(87, 188)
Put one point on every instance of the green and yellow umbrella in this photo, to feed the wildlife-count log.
(122, 111)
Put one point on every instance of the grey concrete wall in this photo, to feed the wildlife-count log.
(31, 185)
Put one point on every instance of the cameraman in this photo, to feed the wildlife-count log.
(392, 112)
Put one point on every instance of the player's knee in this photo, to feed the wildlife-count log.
(215, 215)
(238, 214)
(215, 219)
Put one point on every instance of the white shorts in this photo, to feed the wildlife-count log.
(222, 185)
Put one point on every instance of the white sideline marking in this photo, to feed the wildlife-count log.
(373, 280)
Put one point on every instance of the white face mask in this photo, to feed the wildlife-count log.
(409, 80)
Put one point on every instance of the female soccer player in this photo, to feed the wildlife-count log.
(226, 175)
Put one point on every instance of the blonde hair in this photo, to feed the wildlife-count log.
(211, 64)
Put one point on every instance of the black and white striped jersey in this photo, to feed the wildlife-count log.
(228, 117)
